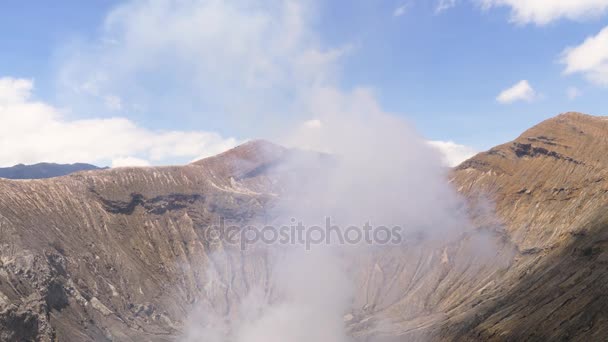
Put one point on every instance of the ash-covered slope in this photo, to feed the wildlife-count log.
(126, 255)
(112, 255)
(550, 189)
(547, 181)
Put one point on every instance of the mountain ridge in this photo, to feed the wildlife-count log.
(44, 170)
(122, 254)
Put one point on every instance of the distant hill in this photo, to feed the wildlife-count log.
(43, 170)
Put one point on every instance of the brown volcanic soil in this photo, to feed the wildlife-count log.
(123, 255)
(550, 189)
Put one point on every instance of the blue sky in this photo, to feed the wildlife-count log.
(441, 70)
(32, 32)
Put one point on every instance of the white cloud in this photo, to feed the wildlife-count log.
(129, 161)
(14, 90)
(244, 62)
(236, 60)
(34, 131)
(263, 58)
(312, 124)
(542, 12)
(521, 91)
(453, 154)
(590, 58)
(573, 93)
(444, 5)
(401, 10)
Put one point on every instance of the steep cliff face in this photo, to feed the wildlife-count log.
(126, 255)
(119, 254)
(549, 188)
(546, 182)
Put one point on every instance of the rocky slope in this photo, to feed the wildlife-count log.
(550, 189)
(125, 254)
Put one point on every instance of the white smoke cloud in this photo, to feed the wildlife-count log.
(315, 296)
(262, 64)
(383, 161)
(384, 173)
(452, 153)
(219, 61)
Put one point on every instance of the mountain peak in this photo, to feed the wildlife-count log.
(542, 170)
(248, 150)
(244, 158)
(579, 115)
(570, 137)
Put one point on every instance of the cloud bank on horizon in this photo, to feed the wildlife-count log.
(33, 131)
